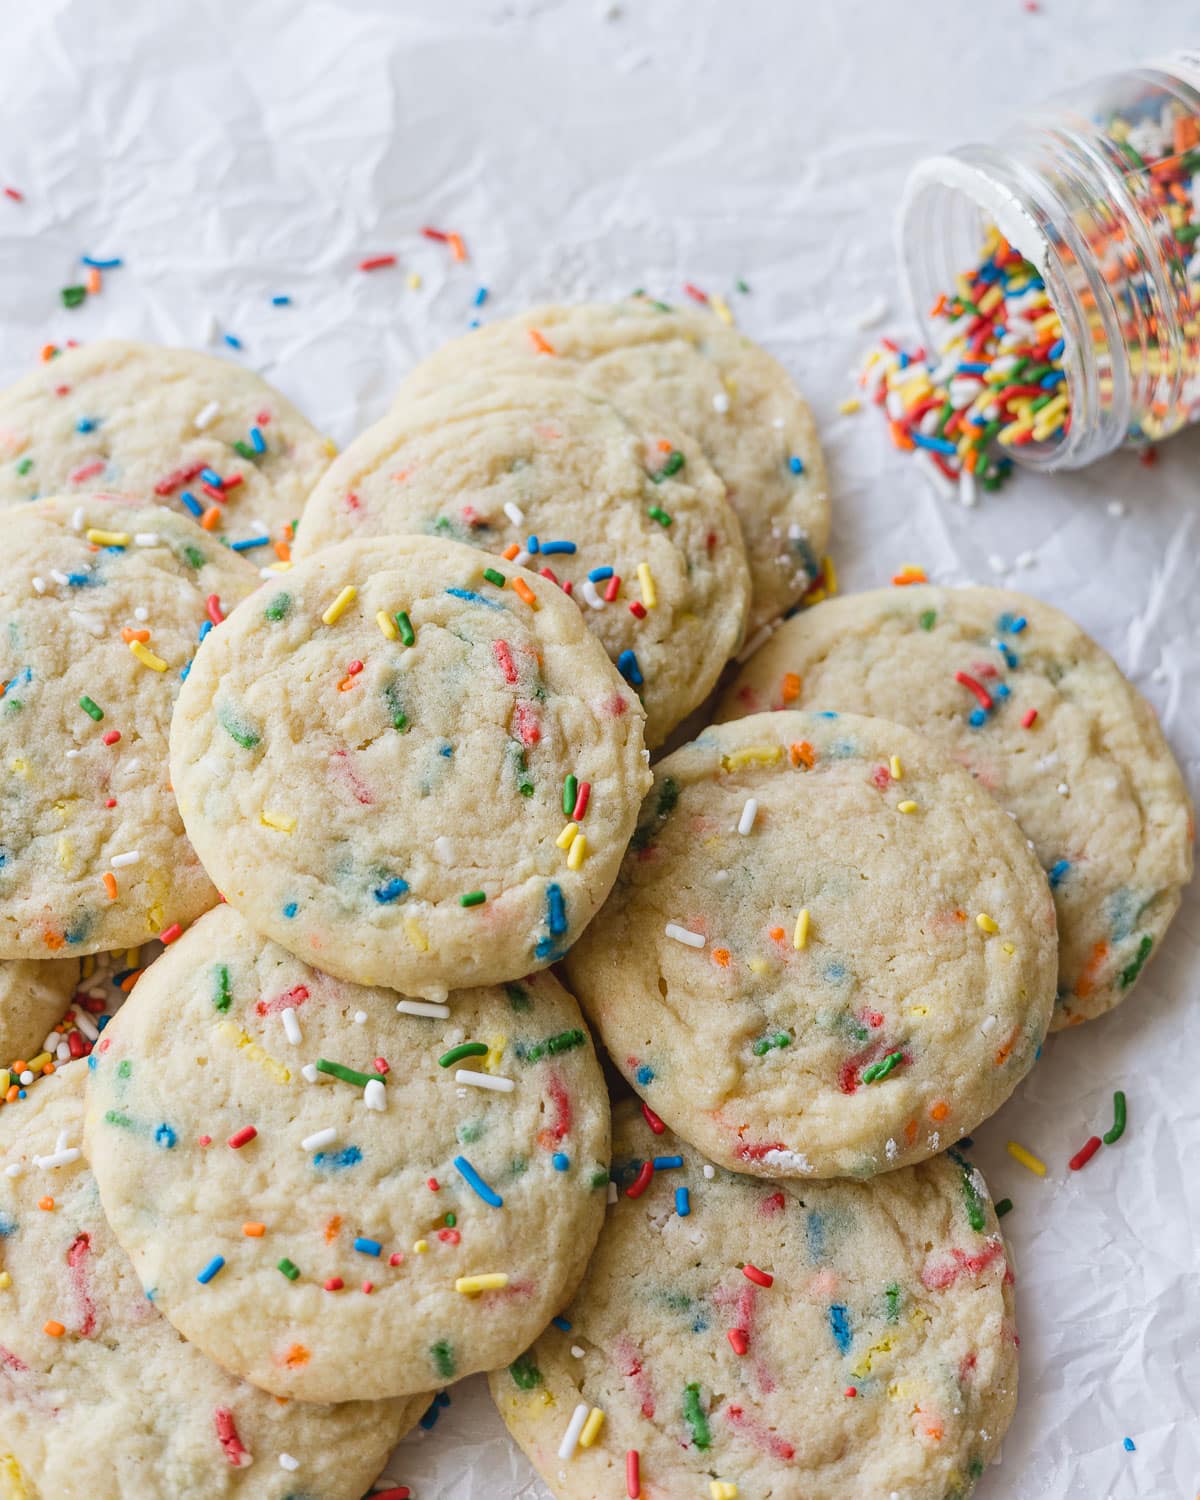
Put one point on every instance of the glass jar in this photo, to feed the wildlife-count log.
(1100, 192)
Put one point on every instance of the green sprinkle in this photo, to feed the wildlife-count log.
(672, 466)
(928, 619)
(404, 625)
(975, 1468)
(194, 556)
(766, 1043)
(521, 766)
(124, 1068)
(278, 607)
(493, 575)
(599, 1178)
(1131, 971)
(237, 728)
(472, 898)
(894, 1296)
(464, 1049)
(656, 513)
(116, 1117)
(347, 1075)
(25, 465)
(518, 997)
(1003, 1207)
(391, 696)
(1187, 233)
(244, 450)
(451, 1220)
(442, 1355)
(562, 1041)
(570, 793)
(73, 296)
(1118, 1125)
(975, 1215)
(289, 1269)
(881, 1069)
(525, 1374)
(741, 285)
(693, 1415)
(93, 710)
(222, 995)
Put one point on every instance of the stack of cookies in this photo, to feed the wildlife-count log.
(349, 1139)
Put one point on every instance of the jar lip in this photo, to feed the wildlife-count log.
(1002, 207)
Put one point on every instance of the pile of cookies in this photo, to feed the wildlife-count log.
(360, 747)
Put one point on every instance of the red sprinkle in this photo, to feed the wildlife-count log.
(401, 1492)
(652, 1120)
(14, 193)
(633, 1475)
(242, 1137)
(231, 482)
(396, 1258)
(695, 293)
(227, 1436)
(1085, 1153)
(213, 605)
(851, 1390)
(639, 1185)
(177, 477)
(1029, 718)
(112, 736)
(738, 1339)
(170, 934)
(984, 697)
(334, 1284)
(368, 1287)
(376, 262)
(614, 588)
(760, 1278)
(435, 234)
(381, 1065)
(638, 610)
(581, 801)
(432, 1184)
(504, 661)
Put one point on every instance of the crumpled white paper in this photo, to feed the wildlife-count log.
(231, 152)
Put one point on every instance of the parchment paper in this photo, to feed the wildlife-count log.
(234, 152)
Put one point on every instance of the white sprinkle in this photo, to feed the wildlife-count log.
(997, 564)
(26, 1077)
(60, 1141)
(967, 494)
(749, 813)
(141, 613)
(286, 1461)
(146, 538)
(57, 1159)
(49, 1045)
(987, 1025)
(360, 1018)
(318, 1139)
(39, 585)
(423, 1008)
(205, 415)
(871, 315)
(709, 1172)
(576, 1352)
(17, 1169)
(375, 1094)
(718, 877)
(77, 518)
(1159, 674)
(1115, 508)
(130, 857)
(291, 1027)
(443, 850)
(485, 1081)
(260, 528)
(574, 1427)
(62, 1051)
(682, 935)
(59, 577)
(590, 594)
(721, 402)
(73, 754)
(522, 559)
(514, 513)
(1063, 789)
(309, 1072)
(86, 1025)
(760, 638)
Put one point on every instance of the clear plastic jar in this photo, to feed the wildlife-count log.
(1100, 190)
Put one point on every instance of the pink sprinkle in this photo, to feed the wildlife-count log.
(88, 471)
(289, 1000)
(695, 293)
(334, 1284)
(170, 934)
(504, 660)
(368, 1287)
(1029, 718)
(381, 1065)
(227, 1436)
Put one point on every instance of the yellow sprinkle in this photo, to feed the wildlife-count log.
(387, 625)
(986, 923)
(88, 967)
(567, 837)
(578, 851)
(147, 657)
(420, 1247)
(415, 935)
(847, 408)
(863, 1367)
(758, 966)
(721, 308)
(495, 1053)
(907, 807)
(590, 1430)
(107, 538)
(414, 280)
(10, 1472)
(919, 1010)
(723, 1489)
(65, 851)
(491, 1281)
(896, 768)
(1026, 1158)
(752, 755)
(5, 1281)
(340, 605)
(990, 299)
(281, 822)
(36, 1064)
(330, 447)
(814, 596)
(1009, 948)
(800, 935)
(646, 579)
(829, 574)
(1014, 429)
(229, 1032)
(6, 1080)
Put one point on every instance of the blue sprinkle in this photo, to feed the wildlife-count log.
(795, 465)
(1048, 382)
(210, 476)
(1018, 625)
(531, 544)
(447, 750)
(1129, 1445)
(544, 948)
(86, 424)
(257, 441)
(92, 1061)
(826, 713)
(232, 341)
(556, 911)
(164, 1136)
(349, 1156)
(971, 367)
(1009, 655)
(290, 910)
(7, 1226)
(598, 575)
(434, 1410)
(79, 580)
(390, 890)
(562, 1324)
(210, 1270)
(475, 1182)
(249, 543)
(839, 1325)
(561, 1161)
(665, 1163)
(101, 265)
(814, 1234)
(905, 359)
(473, 598)
(481, 296)
(473, 323)
(976, 718)
(367, 1247)
(936, 444)
(683, 1205)
(192, 503)
(627, 665)
(644, 1075)
(1003, 690)
(1056, 349)
(205, 628)
(283, 300)
(550, 548)
(1056, 872)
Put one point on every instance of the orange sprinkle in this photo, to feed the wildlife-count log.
(131, 979)
(53, 940)
(1086, 982)
(402, 475)
(211, 518)
(346, 683)
(721, 956)
(296, 1357)
(791, 686)
(47, 1069)
(777, 934)
(48, 352)
(510, 551)
(457, 249)
(909, 575)
(939, 1110)
(900, 438)
(254, 1231)
(910, 1132)
(540, 345)
(128, 634)
(663, 446)
(1003, 1053)
(46, 1203)
(110, 884)
(333, 1228)
(282, 551)
(523, 591)
(803, 754)
(93, 280)
(13, 1094)
(55, 1330)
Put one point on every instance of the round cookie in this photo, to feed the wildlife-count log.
(1043, 718)
(158, 423)
(689, 369)
(395, 812)
(849, 985)
(824, 1340)
(84, 1352)
(430, 1185)
(34, 995)
(626, 514)
(102, 601)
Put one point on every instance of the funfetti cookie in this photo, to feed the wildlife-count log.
(814, 1341)
(101, 1398)
(338, 1193)
(34, 995)
(696, 372)
(410, 764)
(1043, 718)
(203, 436)
(623, 511)
(829, 952)
(104, 603)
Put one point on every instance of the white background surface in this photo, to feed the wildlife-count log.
(230, 152)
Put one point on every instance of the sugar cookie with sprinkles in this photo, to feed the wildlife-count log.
(410, 765)
(695, 371)
(203, 436)
(102, 1399)
(829, 952)
(625, 513)
(338, 1193)
(34, 996)
(738, 1338)
(1044, 720)
(104, 602)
